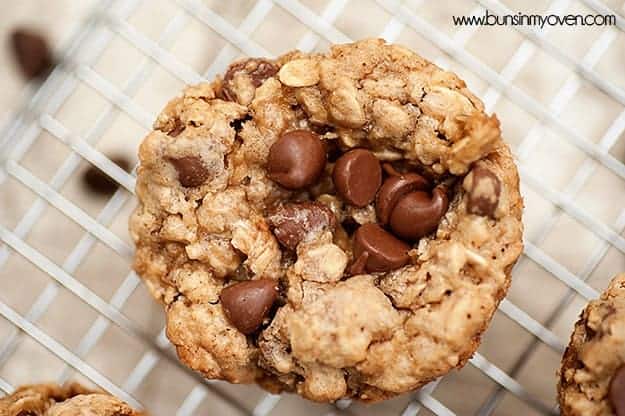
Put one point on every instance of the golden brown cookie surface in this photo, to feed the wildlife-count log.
(69, 400)
(278, 173)
(592, 377)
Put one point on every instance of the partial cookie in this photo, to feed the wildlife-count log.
(336, 225)
(69, 400)
(591, 381)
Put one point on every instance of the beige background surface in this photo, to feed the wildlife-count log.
(574, 204)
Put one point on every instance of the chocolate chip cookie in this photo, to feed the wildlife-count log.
(336, 225)
(70, 400)
(591, 381)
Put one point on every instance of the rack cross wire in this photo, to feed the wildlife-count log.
(573, 242)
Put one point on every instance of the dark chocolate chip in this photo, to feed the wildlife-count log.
(246, 304)
(263, 71)
(393, 189)
(99, 182)
(417, 214)
(292, 223)
(385, 251)
(357, 176)
(296, 160)
(177, 129)
(390, 170)
(359, 265)
(484, 192)
(32, 53)
(259, 70)
(191, 171)
(616, 393)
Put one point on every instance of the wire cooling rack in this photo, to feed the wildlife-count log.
(73, 309)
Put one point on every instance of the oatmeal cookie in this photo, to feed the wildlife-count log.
(591, 381)
(69, 400)
(336, 225)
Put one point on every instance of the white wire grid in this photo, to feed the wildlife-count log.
(500, 381)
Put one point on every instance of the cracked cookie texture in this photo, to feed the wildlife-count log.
(591, 380)
(233, 189)
(68, 400)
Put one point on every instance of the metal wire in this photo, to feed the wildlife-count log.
(112, 18)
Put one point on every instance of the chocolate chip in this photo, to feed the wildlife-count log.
(32, 53)
(390, 170)
(262, 72)
(177, 129)
(359, 265)
(385, 252)
(191, 171)
(417, 214)
(259, 70)
(246, 304)
(296, 160)
(393, 189)
(484, 191)
(616, 393)
(357, 176)
(99, 182)
(293, 223)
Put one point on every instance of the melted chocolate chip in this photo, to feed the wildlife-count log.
(417, 214)
(292, 223)
(359, 265)
(484, 192)
(390, 170)
(177, 129)
(384, 251)
(357, 176)
(296, 160)
(246, 304)
(393, 189)
(259, 70)
(191, 171)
